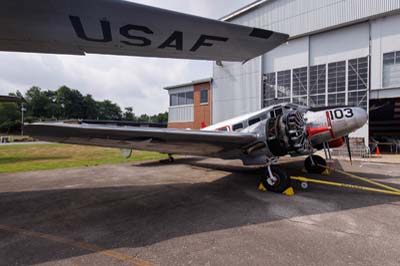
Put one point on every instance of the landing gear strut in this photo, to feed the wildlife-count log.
(275, 179)
(170, 158)
(313, 162)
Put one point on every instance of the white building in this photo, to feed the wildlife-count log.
(341, 52)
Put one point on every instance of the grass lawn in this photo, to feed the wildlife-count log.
(20, 158)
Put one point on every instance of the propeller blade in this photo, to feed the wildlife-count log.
(348, 148)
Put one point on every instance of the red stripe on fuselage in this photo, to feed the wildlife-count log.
(328, 119)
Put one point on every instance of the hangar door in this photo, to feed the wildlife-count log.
(339, 67)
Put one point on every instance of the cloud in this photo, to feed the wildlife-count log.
(130, 81)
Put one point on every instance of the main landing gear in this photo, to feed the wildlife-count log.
(275, 179)
(314, 163)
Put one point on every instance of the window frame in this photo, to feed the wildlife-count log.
(395, 61)
(175, 97)
(317, 85)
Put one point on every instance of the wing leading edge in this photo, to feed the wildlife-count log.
(124, 28)
(189, 142)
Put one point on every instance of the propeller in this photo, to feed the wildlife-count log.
(347, 139)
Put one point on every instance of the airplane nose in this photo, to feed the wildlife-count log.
(361, 116)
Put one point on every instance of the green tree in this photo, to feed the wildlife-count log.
(70, 103)
(161, 118)
(52, 108)
(37, 103)
(90, 107)
(10, 115)
(109, 110)
(129, 115)
(144, 118)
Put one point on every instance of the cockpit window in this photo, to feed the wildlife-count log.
(224, 129)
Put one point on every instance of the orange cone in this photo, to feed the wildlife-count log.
(378, 151)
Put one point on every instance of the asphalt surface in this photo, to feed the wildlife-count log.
(194, 212)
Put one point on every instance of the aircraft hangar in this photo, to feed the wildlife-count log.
(340, 52)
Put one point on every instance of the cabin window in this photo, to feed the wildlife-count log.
(254, 121)
(237, 126)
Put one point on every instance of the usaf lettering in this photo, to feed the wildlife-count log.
(140, 36)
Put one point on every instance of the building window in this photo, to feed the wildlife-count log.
(173, 99)
(358, 82)
(337, 99)
(317, 85)
(189, 97)
(203, 96)
(269, 89)
(182, 98)
(337, 83)
(300, 86)
(391, 70)
(284, 84)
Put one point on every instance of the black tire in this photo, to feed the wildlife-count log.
(315, 169)
(282, 183)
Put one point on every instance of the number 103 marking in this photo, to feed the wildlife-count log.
(339, 114)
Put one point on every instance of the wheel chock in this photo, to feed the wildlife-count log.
(261, 187)
(326, 172)
(289, 192)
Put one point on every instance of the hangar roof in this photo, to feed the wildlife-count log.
(300, 18)
(194, 82)
(244, 9)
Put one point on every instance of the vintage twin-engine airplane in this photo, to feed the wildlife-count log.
(258, 138)
(123, 28)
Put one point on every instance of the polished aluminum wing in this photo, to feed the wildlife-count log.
(124, 28)
(175, 141)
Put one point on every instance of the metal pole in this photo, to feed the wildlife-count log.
(22, 118)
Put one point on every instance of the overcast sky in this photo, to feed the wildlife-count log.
(130, 81)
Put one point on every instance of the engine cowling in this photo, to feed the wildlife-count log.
(287, 134)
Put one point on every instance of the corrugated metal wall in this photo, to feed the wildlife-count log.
(297, 17)
(237, 88)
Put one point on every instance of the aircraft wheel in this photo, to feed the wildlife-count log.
(315, 169)
(279, 181)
